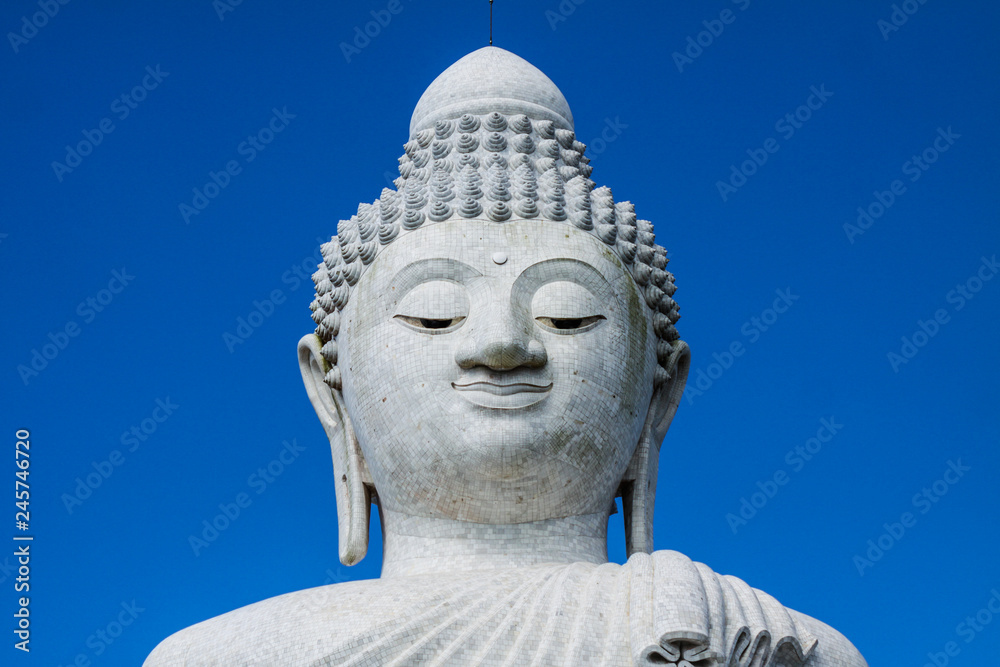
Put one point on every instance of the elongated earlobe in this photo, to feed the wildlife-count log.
(638, 487)
(353, 496)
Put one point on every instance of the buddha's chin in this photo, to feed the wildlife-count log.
(502, 480)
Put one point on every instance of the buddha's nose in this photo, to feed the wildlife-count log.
(502, 344)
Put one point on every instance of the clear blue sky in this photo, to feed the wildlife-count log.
(154, 333)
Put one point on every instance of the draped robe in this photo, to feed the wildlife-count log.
(659, 609)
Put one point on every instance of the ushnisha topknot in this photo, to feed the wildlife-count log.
(516, 159)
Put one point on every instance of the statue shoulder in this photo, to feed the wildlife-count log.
(733, 620)
(833, 649)
(264, 628)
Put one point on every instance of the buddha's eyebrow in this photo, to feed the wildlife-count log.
(563, 269)
(436, 268)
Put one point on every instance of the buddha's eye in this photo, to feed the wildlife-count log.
(567, 308)
(433, 307)
(431, 324)
(570, 324)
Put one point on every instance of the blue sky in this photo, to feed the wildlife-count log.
(750, 133)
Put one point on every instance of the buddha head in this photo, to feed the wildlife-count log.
(495, 338)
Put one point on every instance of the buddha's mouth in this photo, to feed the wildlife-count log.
(501, 395)
(503, 389)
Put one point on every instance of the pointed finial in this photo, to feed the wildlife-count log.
(491, 22)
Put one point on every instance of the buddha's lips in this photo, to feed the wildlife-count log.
(503, 389)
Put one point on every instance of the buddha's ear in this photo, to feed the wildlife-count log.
(638, 489)
(353, 496)
(667, 397)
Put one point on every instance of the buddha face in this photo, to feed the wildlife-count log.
(497, 373)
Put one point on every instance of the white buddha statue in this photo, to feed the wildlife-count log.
(495, 361)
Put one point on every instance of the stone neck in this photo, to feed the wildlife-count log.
(414, 545)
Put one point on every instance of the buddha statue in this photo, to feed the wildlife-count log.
(495, 360)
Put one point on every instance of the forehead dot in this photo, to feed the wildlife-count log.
(499, 258)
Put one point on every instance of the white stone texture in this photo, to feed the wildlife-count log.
(487, 80)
